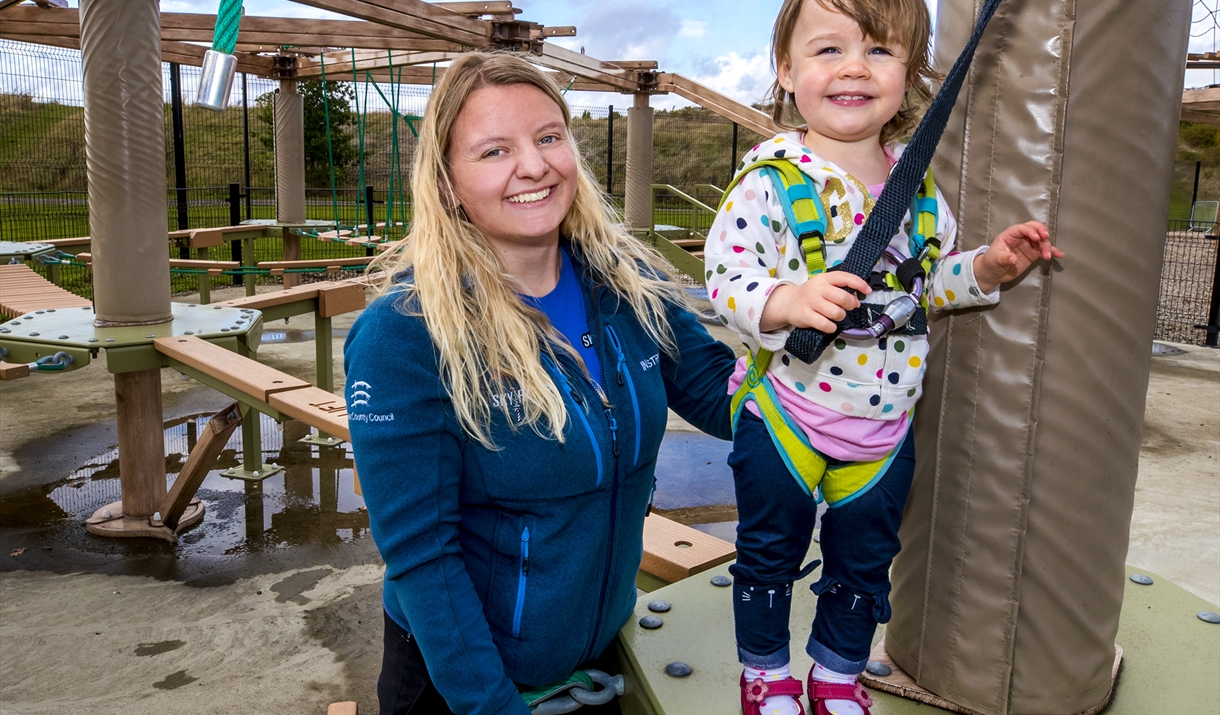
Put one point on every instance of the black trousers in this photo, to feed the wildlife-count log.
(404, 687)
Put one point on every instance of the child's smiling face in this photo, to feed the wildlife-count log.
(847, 86)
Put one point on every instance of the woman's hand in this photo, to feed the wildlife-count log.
(1012, 253)
(817, 303)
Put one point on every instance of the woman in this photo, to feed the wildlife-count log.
(507, 396)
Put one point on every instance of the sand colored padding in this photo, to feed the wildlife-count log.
(289, 154)
(125, 154)
(1007, 593)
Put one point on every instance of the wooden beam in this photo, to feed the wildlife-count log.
(480, 8)
(211, 443)
(559, 31)
(733, 110)
(586, 67)
(340, 63)
(634, 64)
(1201, 99)
(413, 16)
(1191, 115)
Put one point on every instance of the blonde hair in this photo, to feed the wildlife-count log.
(487, 339)
(903, 22)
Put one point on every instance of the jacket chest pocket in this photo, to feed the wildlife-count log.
(637, 373)
(528, 468)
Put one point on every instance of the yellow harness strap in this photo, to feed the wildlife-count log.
(836, 483)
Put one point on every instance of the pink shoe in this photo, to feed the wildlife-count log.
(820, 690)
(756, 692)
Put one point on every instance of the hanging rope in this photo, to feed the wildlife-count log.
(228, 18)
(330, 152)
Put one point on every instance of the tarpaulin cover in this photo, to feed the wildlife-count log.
(1008, 589)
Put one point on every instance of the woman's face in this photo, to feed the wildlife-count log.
(513, 167)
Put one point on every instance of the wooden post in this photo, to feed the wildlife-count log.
(205, 281)
(637, 212)
(141, 441)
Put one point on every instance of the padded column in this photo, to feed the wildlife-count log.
(125, 160)
(1008, 589)
(637, 209)
(289, 154)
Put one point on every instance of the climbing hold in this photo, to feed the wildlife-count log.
(722, 581)
(1141, 579)
(1209, 616)
(878, 668)
(651, 622)
(659, 606)
(678, 669)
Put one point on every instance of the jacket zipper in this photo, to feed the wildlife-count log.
(565, 386)
(609, 410)
(522, 579)
(622, 373)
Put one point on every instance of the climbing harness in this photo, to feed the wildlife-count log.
(219, 63)
(807, 344)
(579, 689)
(806, 216)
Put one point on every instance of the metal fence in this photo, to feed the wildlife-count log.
(1190, 285)
(43, 186)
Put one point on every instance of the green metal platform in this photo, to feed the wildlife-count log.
(1171, 658)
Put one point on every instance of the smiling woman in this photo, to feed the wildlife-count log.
(520, 364)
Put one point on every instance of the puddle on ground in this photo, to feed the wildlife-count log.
(315, 500)
(293, 335)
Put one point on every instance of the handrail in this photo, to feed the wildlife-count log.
(684, 196)
(711, 187)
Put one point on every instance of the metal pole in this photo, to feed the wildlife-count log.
(733, 156)
(234, 220)
(1194, 194)
(371, 220)
(610, 152)
(245, 133)
(175, 88)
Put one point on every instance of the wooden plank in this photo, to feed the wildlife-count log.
(315, 407)
(179, 262)
(64, 242)
(1207, 99)
(23, 290)
(261, 301)
(210, 237)
(413, 16)
(634, 64)
(339, 298)
(345, 708)
(315, 263)
(709, 98)
(673, 551)
(209, 446)
(249, 376)
(479, 8)
(13, 371)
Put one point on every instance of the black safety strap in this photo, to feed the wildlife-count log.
(807, 344)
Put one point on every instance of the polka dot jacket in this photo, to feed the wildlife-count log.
(750, 251)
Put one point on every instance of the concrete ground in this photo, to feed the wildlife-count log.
(272, 605)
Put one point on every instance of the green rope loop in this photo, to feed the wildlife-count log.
(228, 18)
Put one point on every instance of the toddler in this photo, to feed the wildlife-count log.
(837, 429)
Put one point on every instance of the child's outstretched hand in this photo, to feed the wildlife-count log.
(1012, 253)
(817, 303)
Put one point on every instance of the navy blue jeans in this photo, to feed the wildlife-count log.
(859, 541)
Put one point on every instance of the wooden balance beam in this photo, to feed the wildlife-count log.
(672, 551)
(22, 291)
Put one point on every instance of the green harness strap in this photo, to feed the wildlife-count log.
(840, 483)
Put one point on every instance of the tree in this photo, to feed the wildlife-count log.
(342, 121)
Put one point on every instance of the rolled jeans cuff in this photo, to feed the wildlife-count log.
(831, 660)
(765, 662)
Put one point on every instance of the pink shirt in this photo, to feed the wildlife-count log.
(834, 434)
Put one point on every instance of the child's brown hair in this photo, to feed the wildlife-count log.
(903, 22)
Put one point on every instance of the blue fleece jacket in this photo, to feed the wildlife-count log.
(517, 565)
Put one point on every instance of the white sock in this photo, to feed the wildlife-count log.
(776, 704)
(838, 707)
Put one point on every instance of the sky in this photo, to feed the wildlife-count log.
(723, 44)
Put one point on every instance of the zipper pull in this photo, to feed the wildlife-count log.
(525, 552)
(613, 433)
(619, 370)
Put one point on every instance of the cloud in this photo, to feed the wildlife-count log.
(745, 79)
(626, 29)
(693, 28)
